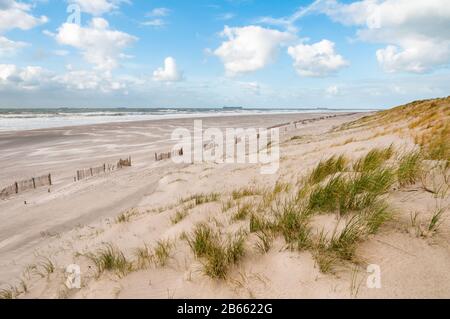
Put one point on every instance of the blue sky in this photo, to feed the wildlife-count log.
(251, 53)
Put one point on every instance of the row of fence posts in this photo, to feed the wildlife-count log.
(81, 174)
(168, 155)
(158, 157)
(162, 156)
(15, 188)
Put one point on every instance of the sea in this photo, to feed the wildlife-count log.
(42, 118)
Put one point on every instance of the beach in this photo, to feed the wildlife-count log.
(135, 206)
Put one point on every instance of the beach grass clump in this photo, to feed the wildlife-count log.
(436, 220)
(44, 268)
(125, 217)
(281, 187)
(343, 243)
(265, 240)
(326, 168)
(245, 192)
(325, 260)
(162, 252)
(201, 240)
(9, 292)
(217, 254)
(409, 168)
(374, 159)
(326, 197)
(110, 258)
(144, 257)
(179, 216)
(259, 223)
(159, 256)
(344, 194)
(438, 145)
(293, 224)
(227, 205)
(243, 211)
(375, 216)
(363, 190)
(200, 199)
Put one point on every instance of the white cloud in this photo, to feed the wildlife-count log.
(414, 56)
(90, 80)
(155, 23)
(157, 16)
(416, 32)
(159, 12)
(98, 7)
(37, 78)
(168, 73)
(332, 90)
(8, 47)
(27, 78)
(100, 45)
(15, 15)
(316, 60)
(226, 16)
(250, 48)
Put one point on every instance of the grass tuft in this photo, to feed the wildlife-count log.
(9, 293)
(375, 216)
(354, 193)
(200, 199)
(409, 169)
(436, 220)
(125, 217)
(162, 252)
(217, 254)
(374, 159)
(110, 258)
(326, 168)
(344, 242)
(44, 268)
(144, 257)
(179, 216)
(243, 210)
(245, 192)
(293, 223)
(265, 240)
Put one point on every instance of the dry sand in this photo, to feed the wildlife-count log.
(75, 219)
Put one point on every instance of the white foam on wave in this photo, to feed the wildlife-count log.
(22, 121)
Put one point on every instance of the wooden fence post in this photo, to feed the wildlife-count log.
(104, 168)
(92, 174)
(50, 179)
(34, 182)
(17, 187)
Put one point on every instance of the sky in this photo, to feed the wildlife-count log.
(214, 53)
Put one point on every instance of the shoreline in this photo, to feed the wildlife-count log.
(181, 117)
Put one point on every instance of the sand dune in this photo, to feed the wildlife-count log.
(269, 238)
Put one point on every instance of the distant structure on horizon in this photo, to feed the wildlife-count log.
(232, 108)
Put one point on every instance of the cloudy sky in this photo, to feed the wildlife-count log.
(214, 53)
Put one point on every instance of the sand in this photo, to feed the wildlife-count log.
(77, 218)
